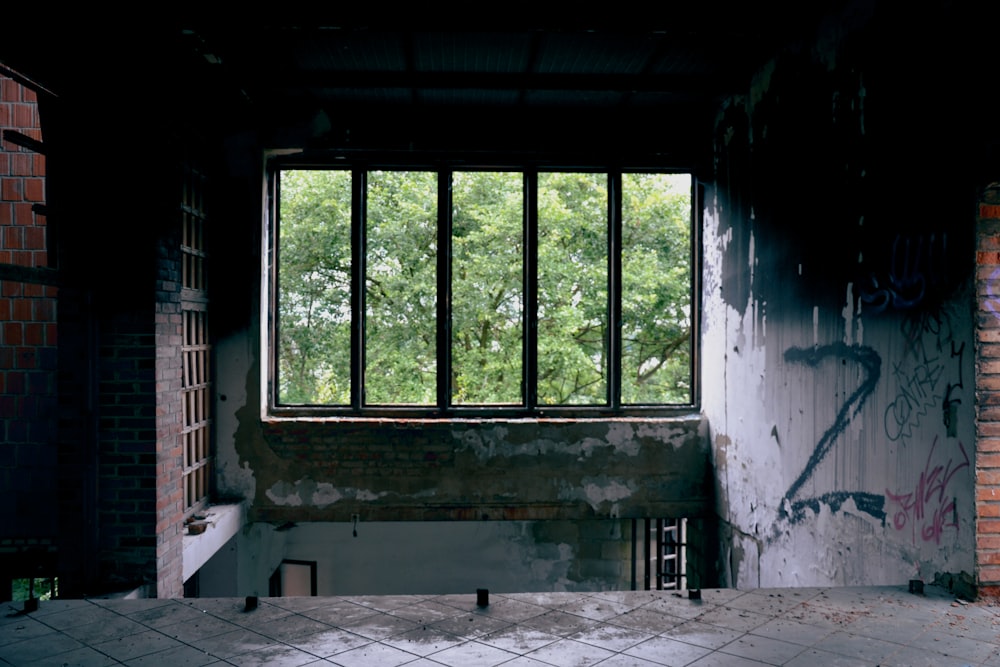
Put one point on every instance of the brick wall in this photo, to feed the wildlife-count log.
(988, 394)
(28, 358)
(169, 520)
(127, 450)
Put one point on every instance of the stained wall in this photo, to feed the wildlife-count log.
(839, 313)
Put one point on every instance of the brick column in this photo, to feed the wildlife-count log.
(169, 409)
(988, 393)
(28, 353)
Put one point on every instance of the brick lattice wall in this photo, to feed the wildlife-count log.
(988, 394)
(28, 356)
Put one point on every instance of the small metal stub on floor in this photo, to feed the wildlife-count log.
(916, 586)
(482, 597)
(694, 594)
(251, 603)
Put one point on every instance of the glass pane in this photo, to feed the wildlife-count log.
(572, 288)
(400, 288)
(487, 288)
(656, 288)
(314, 287)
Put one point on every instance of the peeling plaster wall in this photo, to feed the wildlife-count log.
(838, 327)
(302, 470)
(433, 557)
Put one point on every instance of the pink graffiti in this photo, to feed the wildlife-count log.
(992, 302)
(927, 504)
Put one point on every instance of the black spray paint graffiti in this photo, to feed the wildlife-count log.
(794, 509)
(922, 385)
(927, 507)
(916, 264)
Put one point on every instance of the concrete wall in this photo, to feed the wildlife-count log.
(432, 557)
(838, 350)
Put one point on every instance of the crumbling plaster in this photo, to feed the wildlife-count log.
(837, 344)
(332, 469)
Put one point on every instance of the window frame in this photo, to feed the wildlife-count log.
(360, 166)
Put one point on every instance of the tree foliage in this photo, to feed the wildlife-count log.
(486, 294)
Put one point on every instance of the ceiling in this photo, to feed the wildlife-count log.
(644, 87)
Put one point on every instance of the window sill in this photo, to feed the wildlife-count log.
(222, 523)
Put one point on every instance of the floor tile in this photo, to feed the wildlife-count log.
(795, 632)
(560, 623)
(646, 620)
(135, 646)
(702, 634)
(287, 628)
(275, 655)
(380, 626)
(666, 651)
(339, 612)
(373, 655)
(425, 612)
(611, 637)
(858, 646)
(764, 649)
(807, 628)
(569, 653)
(472, 625)
(81, 657)
(424, 640)
(18, 628)
(328, 642)
(596, 608)
(473, 654)
(233, 643)
(519, 639)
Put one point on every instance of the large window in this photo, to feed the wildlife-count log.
(448, 291)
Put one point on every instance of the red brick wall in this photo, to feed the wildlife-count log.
(28, 516)
(988, 394)
(169, 520)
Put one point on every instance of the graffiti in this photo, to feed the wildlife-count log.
(992, 302)
(922, 386)
(915, 264)
(927, 507)
(793, 508)
(869, 503)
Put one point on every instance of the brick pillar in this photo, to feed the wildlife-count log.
(988, 393)
(169, 410)
(28, 368)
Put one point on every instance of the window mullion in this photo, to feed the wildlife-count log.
(614, 289)
(444, 370)
(359, 207)
(530, 351)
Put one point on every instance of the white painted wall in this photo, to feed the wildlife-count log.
(833, 462)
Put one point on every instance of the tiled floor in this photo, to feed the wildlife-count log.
(795, 627)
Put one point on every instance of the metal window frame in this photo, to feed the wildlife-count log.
(443, 408)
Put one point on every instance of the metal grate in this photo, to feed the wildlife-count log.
(659, 554)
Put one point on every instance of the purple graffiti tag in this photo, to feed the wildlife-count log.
(916, 263)
(992, 302)
(927, 504)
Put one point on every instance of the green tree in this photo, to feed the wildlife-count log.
(487, 294)
(314, 287)
(401, 288)
(656, 288)
(487, 288)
